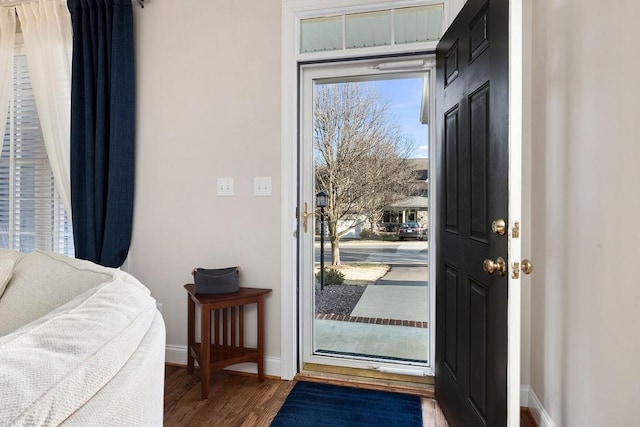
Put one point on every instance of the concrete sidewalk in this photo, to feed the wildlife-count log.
(394, 302)
(401, 294)
(401, 342)
(405, 275)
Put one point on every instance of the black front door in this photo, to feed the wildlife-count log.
(471, 304)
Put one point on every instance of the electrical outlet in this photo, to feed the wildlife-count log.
(225, 187)
(262, 186)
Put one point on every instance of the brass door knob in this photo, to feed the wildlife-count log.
(527, 266)
(499, 265)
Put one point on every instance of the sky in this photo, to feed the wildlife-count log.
(405, 97)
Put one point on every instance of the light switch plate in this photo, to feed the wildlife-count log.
(225, 186)
(262, 186)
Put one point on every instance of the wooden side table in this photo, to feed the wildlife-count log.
(227, 347)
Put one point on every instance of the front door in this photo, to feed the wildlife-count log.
(472, 281)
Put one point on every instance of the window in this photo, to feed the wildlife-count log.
(389, 27)
(32, 215)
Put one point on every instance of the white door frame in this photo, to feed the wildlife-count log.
(292, 11)
(514, 318)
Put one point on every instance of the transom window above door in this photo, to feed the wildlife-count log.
(372, 29)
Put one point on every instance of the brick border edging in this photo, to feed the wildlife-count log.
(372, 320)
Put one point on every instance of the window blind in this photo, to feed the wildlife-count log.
(31, 213)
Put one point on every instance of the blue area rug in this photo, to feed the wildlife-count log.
(313, 404)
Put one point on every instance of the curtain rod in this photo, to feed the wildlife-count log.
(10, 3)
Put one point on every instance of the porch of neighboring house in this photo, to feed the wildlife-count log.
(411, 209)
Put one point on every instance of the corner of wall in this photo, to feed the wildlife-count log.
(528, 399)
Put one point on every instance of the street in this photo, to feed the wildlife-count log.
(403, 253)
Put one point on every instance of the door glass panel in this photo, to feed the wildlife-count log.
(321, 34)
(368, 29)
(370, 159)
(418, 24)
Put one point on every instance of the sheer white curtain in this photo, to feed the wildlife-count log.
(7, 46)
(46, 27)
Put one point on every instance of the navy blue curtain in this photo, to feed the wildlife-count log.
(102, 129)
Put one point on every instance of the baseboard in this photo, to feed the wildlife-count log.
(177, 355)
(524, 396)
(529, 399)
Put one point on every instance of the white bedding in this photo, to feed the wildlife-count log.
(52, 367)
(135, 396)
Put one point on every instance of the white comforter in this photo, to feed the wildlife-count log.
(53, 366)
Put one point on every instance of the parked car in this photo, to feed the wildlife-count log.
(411, 230)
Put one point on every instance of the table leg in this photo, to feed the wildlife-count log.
(205, 351)
(260, 338)
(191, 329)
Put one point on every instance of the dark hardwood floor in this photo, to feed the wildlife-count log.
(242, 400)
(235, 400)
(526, 419)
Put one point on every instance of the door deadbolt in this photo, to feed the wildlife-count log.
(499, 227)
(526, 267)
(499, 266)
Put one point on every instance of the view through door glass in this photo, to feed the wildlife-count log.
(370, 158)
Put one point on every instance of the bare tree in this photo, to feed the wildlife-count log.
(360, 156)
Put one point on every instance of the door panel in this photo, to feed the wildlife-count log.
(451, 320)
(451, 169)
(479, 117)
(471, 329)
(478, 345)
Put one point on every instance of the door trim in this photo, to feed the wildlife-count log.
(514, 319)
(292, 11)
(288, 191)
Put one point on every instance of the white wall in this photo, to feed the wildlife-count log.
(208, 106)
(525, 229)
(585, 293)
